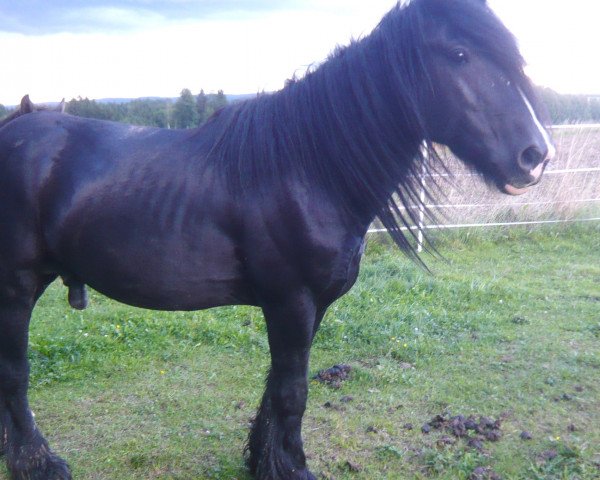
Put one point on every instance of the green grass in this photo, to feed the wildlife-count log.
(507, 326)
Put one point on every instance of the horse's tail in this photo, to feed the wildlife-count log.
(27, 106)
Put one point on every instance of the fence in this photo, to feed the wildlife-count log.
(569, 192)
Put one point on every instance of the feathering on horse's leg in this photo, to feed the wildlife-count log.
(275, 449)
(27, 453)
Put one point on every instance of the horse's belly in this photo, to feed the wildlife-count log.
(139, 264)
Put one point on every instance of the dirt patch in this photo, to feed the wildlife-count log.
(334, 376)
(484, 473)
(353, 466)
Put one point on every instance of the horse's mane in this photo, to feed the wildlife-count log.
(355, 126)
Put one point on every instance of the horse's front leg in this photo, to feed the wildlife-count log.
(275, 442)
(28, 456)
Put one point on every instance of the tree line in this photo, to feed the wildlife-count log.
(190, 110)
(565, 109)
(187, 111)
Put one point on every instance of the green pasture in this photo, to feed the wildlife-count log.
(507, 326)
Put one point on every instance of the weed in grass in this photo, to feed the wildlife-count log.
(562, 462)
(387, 453)
(448, 462)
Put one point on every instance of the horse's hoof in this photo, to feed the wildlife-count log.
(51, 467)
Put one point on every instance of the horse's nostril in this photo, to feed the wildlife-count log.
(531, 158)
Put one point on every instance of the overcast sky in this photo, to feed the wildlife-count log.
(131, 48)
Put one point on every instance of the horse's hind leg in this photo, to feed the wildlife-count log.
(27, 453)
(275, 442)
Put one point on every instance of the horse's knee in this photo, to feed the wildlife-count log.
(289, 400)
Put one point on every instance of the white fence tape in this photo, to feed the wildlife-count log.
(575, 126)
(421, 227)
(497, 224)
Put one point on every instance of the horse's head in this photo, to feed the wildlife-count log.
(483, 105)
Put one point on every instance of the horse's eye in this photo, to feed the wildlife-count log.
(460, 55)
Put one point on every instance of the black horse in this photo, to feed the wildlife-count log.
(267, 204)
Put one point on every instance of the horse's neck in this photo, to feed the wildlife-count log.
(356, 146)
(340, 131)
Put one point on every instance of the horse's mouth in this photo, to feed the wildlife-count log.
(515, 191)
(535, 175)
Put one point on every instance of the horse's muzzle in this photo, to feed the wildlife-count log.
(535, 176)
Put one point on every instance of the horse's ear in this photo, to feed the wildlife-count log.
(62, 106)
(27, 105)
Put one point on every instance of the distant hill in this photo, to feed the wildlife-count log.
(230, 98)
(127, 100)
(239, 97)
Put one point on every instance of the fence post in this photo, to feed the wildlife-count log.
(421, 225)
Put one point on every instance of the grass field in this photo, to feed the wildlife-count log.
(507, 327)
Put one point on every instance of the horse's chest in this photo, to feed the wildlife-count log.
(350, 266)
(336, 277)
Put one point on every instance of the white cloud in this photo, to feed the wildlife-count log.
(240, 56)
(258, 52)
(112, 18)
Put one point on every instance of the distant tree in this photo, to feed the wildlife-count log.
(218, 101)
(570, 108)
(185, 113)
(594, 108)
(207, 105)
(147, 112)
(84, 107)
(202, 107)
(188, 111)
(3, 111)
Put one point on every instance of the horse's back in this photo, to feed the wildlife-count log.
(143, 216)
(134, 212)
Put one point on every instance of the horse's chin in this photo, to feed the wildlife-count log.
(514, 191)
